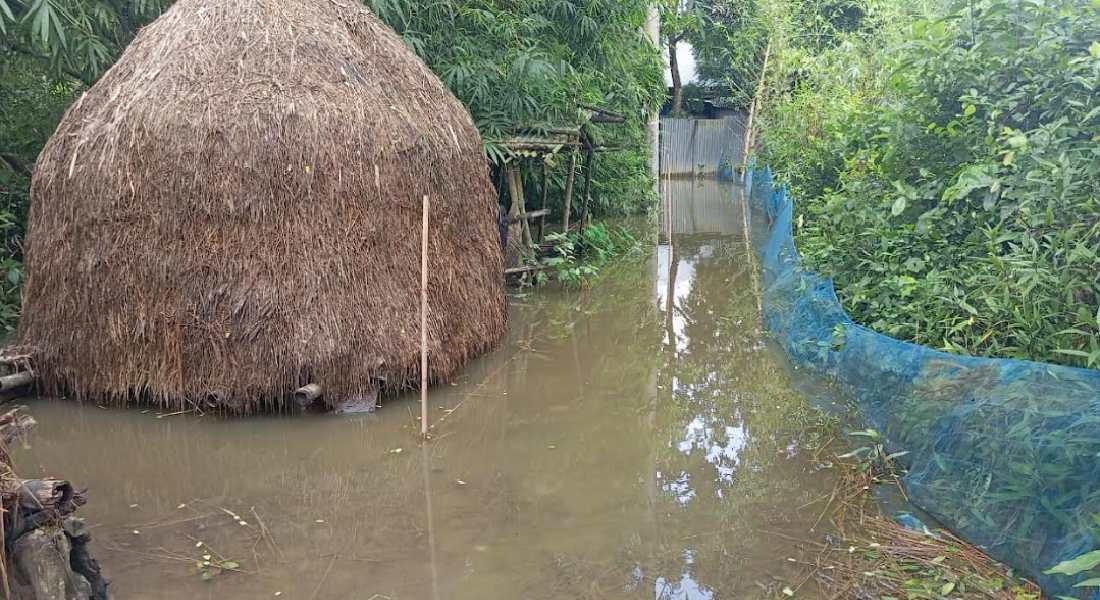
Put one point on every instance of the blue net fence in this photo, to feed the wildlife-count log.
(1006, 453)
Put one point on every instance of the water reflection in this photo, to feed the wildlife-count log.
(639, 439)
(729, 418)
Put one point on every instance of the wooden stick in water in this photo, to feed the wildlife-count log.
(424, 323)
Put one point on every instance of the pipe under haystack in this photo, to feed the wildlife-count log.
(189, 174)
(308, 394)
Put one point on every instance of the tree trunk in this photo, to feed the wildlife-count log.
(677, 82)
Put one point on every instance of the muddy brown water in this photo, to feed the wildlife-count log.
(640, 439)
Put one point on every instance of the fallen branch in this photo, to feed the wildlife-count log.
(527, 269)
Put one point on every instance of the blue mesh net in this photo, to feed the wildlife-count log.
(1004, 452)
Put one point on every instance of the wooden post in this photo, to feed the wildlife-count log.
(424, 323)
(668, 209)
(545, 191)
(519, 203)
(569, 180)
(587, 187)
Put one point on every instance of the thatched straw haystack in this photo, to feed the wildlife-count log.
(234, 210)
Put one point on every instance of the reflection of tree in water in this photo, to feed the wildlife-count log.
(729, 432)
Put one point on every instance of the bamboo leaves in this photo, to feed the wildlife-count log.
(966, 140)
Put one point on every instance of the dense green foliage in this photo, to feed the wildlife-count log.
(49, 50)
(728, 39)
(516, 65)
(32, 104)
(532, 63)
(947, 167)
(729, 47)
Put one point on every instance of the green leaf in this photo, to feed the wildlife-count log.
(1091, 582)
(972, 177)
(947, 588)
(1094, 49)
(5, 11)
(1076, 565)
(1071, 352)
(855, 453)
(867, 433)
(899, 206)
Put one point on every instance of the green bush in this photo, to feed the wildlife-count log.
(948, 174)
(32, 104)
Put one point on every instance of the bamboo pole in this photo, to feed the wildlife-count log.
(570, 179)
(424, 323)
(749, 128)
(519, 203)
(587, 188)
(425, 472)
(542, 206)
(747, 232)
(668, 197)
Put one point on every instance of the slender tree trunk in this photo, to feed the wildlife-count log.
(677, 82)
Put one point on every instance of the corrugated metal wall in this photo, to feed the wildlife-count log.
(701, 207)
(700, 146)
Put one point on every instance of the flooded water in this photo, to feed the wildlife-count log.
(641, 439)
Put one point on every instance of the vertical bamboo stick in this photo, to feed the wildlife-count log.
(424, 323)
(569, 181)
(545, 192)
(425, 471)
(750, 128)
(588, 159)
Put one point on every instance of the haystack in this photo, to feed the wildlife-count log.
(234, 210)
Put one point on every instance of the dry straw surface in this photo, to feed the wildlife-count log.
(234, 210)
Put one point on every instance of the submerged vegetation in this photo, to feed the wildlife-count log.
(945, 162)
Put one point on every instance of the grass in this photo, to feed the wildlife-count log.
(872, 556)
